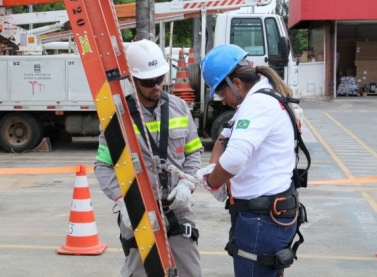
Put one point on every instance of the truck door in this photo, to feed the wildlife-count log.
(260, 36)
(248, 34)
(277, 45)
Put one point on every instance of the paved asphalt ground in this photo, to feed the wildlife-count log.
(340, 238)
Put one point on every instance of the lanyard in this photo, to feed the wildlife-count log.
(164, 131)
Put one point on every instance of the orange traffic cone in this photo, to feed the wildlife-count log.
(191, 57)
(182, 87)
(82, 237)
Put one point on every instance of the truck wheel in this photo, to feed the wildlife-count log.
(20, 132)
(194, 75)
(218, 124)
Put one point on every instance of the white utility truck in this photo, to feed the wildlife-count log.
(47, 95)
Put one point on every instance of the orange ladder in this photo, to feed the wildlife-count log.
(100, 46)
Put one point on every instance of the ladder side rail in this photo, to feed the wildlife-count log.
(115, 46)
(95, 56)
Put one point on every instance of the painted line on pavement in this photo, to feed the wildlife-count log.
(370, 200)
(335, 157)
(209, 253)
(44, 170)
(348, 132)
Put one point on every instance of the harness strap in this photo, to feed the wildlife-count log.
(175, 228)
(279, 260)
(127, 244)
(282, 207)
(164, 132)
(184, 229)
(284, 204)
(282, 259)
(299, 175)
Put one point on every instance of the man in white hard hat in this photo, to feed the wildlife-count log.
(173, 134)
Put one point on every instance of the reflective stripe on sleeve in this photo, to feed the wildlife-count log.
(103, 154)
(193, 145)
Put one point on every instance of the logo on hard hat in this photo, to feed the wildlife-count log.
(152, 63)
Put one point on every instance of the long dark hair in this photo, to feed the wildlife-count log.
(250, 75)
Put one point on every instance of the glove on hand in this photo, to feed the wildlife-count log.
(181, 195)
(123, 212)
(203, 173)
(219, 193)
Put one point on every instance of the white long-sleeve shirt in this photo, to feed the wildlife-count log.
(260, 152)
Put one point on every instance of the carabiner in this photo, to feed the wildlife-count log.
(274, 210)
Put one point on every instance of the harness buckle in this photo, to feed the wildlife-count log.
(274, 209)
(186, 230)
(167, 187)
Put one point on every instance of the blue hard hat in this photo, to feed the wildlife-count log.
(219, 63)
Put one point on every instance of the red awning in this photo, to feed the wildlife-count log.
(303, 11)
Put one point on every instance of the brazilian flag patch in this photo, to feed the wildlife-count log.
(243, 124)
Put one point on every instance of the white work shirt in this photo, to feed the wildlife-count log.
(260, 151)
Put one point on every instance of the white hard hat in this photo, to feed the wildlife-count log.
(145, 60)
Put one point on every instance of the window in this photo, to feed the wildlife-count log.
(248, 34)
(272, 37)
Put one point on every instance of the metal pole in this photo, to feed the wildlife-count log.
(30, 11)
(203, 52)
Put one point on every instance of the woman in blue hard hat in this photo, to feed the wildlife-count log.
(257, 161)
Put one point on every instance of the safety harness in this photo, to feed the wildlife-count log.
(285, 204)
(174, 227)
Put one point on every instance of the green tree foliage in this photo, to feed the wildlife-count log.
(182, 31)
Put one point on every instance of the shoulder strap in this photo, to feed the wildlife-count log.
(300, 143)
(161, 151)
(164, 127)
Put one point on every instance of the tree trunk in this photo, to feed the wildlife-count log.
(145, 23)
(197, 36)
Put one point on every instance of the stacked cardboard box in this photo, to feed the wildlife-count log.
(346, 49)
(366, 63)
(319, 56)
(306, 56)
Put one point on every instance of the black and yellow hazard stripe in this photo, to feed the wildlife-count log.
(138, 197)
(125, 172)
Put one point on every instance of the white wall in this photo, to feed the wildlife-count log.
(311, 79)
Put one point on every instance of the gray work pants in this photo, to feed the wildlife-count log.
(185, 252)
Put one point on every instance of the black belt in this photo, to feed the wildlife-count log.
(282, 204)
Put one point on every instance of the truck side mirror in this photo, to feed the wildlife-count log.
(284, 49)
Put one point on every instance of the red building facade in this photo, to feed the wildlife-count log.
(339, 27)
(301, 11)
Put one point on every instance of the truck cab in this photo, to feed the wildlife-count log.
(265, 37)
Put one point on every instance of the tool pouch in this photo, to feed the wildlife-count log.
(300, 178)
(302, 216)
(284, 258)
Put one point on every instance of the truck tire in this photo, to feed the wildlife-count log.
(194, 75)
(218, 124)
(20, 132)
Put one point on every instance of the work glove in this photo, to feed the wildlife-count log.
(126, 219)
(123, 212)
(219, 193)
(181, 195)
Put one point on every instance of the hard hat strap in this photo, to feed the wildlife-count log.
(233, 89)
